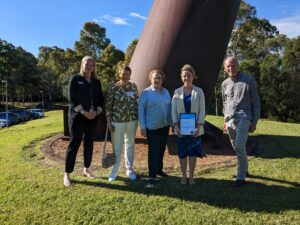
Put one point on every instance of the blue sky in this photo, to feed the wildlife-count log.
(34, 23)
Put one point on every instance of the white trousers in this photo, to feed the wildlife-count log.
(124, 132)
(238, 134)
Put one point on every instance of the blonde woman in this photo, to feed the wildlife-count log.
(86, 103)
(188, 99)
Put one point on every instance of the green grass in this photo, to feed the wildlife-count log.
(31, 190)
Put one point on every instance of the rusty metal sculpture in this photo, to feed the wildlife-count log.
(178, 32)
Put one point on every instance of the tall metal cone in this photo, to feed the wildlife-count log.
(180, 32)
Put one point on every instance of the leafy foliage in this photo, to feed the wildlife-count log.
(108, 64)
(92, 41)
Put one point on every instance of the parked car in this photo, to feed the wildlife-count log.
(3, 123)
(33, 114)
(12, 117)
(39, 112)
(18, 115)
(24, 114)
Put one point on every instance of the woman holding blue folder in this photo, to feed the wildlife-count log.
(188, 105)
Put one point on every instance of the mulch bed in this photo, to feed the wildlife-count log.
(55, 149)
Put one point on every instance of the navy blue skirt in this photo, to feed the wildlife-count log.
(189, 146)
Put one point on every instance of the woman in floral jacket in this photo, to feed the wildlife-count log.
(122, 115)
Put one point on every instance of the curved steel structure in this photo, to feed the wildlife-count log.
(179, 32)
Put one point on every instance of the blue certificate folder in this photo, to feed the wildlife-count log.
(187, 123)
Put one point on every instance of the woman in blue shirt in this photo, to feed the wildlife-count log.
(188, 99)
(155, 118)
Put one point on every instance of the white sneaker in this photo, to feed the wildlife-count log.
(112, 177)
(131, 175)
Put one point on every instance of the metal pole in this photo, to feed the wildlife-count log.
(42, 101)
(6, 106)
(216, 98)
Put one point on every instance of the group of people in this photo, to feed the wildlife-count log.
(156, 112)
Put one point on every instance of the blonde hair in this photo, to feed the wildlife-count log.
(87, 58)
(161, 73)
(189, 68)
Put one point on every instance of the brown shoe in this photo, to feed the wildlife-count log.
(191, 181)
(183, 180)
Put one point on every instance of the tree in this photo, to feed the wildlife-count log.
(291, 71)
(52, 65)
(108, 64)
(251, 66)
(276, 44)
(250, 34)
(245, 13)
(92, 41)
(18, 67)
(129, 51)
(25, 74)
(73, 62)
(270, 78)
(251, 38)
(7, 59)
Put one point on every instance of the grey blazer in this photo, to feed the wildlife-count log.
(197, 105)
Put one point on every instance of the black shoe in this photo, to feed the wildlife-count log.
(151, 183)
(239, 183)
(162, 174)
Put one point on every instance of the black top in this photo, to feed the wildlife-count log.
(82, 92)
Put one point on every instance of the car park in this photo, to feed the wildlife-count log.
(19, 115)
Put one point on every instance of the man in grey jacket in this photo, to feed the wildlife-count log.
(241, 107)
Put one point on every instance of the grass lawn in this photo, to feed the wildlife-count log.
(31, 189)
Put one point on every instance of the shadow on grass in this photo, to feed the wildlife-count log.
(263, 146)
(275, 146)
(255, 196)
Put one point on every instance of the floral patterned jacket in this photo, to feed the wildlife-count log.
(122, 103)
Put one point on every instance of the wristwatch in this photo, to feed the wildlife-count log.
(82, 112)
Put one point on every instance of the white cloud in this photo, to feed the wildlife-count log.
(115, 20)
(137, 15)
(99, 20)
(289, 26)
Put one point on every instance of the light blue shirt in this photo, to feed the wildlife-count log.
(154, 108)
